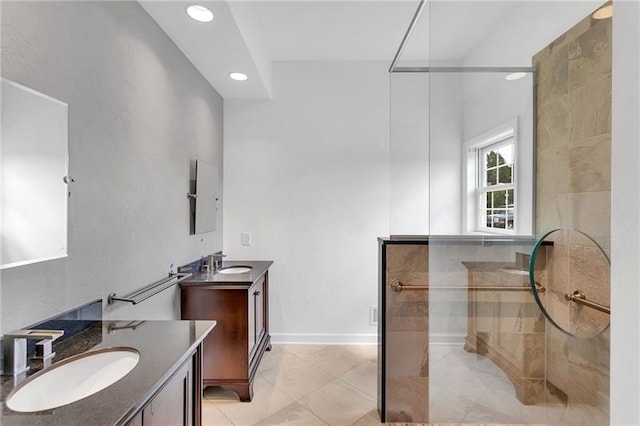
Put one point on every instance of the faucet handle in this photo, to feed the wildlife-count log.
(35, 334)
(44, 352)
(14, 348)
(44, 349)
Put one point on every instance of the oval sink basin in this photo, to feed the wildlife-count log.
(72, 379)
(235, 270)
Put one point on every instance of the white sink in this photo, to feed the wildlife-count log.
(72, 379)
(235, 270)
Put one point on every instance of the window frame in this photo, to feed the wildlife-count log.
(474, 190)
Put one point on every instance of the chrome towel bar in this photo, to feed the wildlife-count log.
(398, 286)
(150, 290)
(580, 298)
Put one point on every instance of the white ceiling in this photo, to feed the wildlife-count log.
(333, 30)
(248, 35)
(216, 48)
(447, 30)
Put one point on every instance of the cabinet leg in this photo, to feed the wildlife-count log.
(245, 392)
(269, 347)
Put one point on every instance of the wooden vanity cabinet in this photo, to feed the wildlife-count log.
(233, 351)
(257, 318)
(174, 402)
(172, 405)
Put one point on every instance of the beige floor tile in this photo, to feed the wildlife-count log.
(301, 349)
(502, 384)
(508, 405)
(273, 363)
(468, 385)
(464, 389)
(338, 403)
(212, 416)
(276, 350)
(474, 362)
(485, 415)
(334, 360)
(293, 414)
(369, 419)
(368, 352)
(439, 351)
(297, 377)
(363, 377)
(266, 401)
(447, 407)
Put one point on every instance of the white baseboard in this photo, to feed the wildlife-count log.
(354, 338)
(325, 338)
(446, 339)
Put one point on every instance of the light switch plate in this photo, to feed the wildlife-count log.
(246, 238)
(373, 315)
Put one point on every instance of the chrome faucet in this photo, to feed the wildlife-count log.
(216, 260)
(14, 350)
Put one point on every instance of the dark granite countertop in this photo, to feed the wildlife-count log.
(163, 347)
(459, 239)
(491, 266)
(258, 269)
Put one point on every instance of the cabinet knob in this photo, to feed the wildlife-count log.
(256, 293)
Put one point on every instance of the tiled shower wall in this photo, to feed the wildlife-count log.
(573, 152)
(573, 189)
(407, 333)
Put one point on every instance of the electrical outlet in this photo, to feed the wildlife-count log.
(245, 237)
(373, 315)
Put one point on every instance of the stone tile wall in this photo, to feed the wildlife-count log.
(573, 190)
(407, 331)
(573, 145)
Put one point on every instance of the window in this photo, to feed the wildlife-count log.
(496, 192)
(491, 202)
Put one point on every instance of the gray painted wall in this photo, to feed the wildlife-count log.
(139, 115)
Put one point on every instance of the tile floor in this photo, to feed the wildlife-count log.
(466, 388)
(303, 385)
(336, 385)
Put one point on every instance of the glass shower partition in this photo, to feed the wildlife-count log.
(486, 334)
(474, 87)
(453, 130)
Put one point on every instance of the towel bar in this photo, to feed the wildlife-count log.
(580, 298)
(150, 290)
(398, 286)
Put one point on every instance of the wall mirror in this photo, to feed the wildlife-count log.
(34, 160)
(573, 277)
(206, 196)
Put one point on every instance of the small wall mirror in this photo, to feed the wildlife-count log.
(34, 160)
(206, 196)
(573, 289)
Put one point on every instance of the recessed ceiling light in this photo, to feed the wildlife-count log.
(238, 76)
(515, 76)
(200, 13)
(604, 12)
